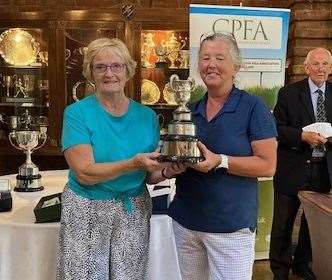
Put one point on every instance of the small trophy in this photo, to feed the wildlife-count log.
(27, 132)
(184, 54)
(180, 142)
(12, 122)
(148, 46)
(7, 81)
(28, 178)
(162, 52)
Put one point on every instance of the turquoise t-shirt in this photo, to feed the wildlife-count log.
(112, 138)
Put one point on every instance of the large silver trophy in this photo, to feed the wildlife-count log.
(28, 178)
(180, 142)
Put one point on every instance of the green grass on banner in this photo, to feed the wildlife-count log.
(269, 95)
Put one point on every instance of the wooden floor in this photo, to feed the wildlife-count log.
(262, 271)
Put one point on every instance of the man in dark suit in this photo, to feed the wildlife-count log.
(304, 162)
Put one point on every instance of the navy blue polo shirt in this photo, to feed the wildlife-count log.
(218, 201)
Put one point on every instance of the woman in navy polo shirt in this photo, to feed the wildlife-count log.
(215, 207)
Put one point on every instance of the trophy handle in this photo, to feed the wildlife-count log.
(183, 42)
(161, 119)
(67, 54)
(173, 79)
(77, 84)
(13, 135)
(74, 93)
(42, 136)
(192, 83)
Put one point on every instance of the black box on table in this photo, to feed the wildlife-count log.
(48, 209)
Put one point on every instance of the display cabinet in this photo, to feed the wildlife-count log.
(27, 96)
(34, 92)
(164, 52)
(24, 79)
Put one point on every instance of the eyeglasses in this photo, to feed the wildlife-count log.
(217, 35)
(114, 67)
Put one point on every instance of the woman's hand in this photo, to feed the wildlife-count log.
(173, 169)
(211, 161)
(148, 161)
(170, 169)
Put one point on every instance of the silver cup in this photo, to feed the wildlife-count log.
(7, 81)
(180, 142)
(13, 122)
(28, 178)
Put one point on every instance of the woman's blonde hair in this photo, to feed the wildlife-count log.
(115, 45)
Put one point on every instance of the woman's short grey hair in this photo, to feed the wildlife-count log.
(310, 53)
(230, 40)
(115, 45)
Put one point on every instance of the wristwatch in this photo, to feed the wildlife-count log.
(224, 161)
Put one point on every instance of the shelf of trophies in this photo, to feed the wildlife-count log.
(24, 89)
(163, 53)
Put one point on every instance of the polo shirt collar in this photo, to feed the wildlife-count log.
(230, 105)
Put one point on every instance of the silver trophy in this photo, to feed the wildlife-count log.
(28, 178)
(13, 122)
(7, 81)
(180, 142)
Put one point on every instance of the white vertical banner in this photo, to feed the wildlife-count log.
(261, 34)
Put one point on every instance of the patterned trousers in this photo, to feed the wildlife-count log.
(100, 240)
(215, 256)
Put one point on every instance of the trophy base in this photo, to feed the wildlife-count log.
(161, 64)
(182, 159)
(180, 148)
(30, 183)
(18, 189)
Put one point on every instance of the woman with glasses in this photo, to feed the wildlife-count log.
(214, 210)
(109, 142)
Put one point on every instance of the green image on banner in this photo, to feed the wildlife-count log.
(264, 220)
(268, 94)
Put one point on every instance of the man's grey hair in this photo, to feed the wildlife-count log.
(310, 53)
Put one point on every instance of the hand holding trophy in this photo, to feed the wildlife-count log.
(180, 142)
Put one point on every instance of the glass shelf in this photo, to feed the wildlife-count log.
(24, 67)
(163, 106)
(23, 104)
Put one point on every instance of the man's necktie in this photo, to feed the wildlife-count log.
(320, 117)
(321, 114)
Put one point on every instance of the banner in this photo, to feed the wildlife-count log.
(261, 34)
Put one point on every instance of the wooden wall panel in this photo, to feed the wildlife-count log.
(140, 3)
(311, 27)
